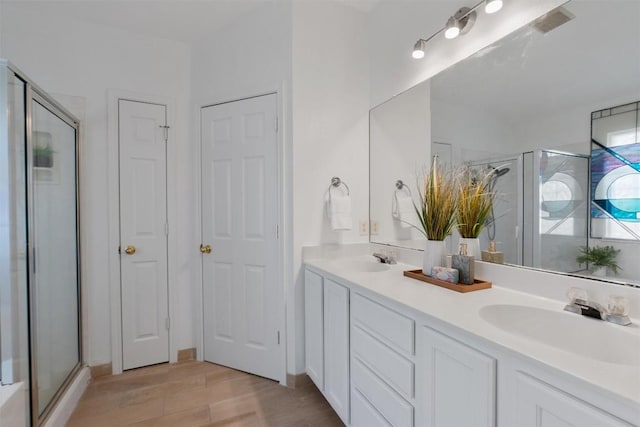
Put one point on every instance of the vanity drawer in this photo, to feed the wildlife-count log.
(392, 328)
(397, 411)
(389, 365)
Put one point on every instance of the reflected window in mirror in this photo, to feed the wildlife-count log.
(615, 173)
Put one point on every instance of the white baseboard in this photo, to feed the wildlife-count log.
(67, 404)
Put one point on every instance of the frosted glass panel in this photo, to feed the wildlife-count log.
(54, 264)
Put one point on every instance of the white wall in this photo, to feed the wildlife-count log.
(250, 57)
(330, 130)
(84, 60)
(316, 54)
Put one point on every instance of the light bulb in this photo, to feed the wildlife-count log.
(492, 6)
(452, 29)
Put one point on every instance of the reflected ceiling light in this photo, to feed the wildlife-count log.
(452, 29)
(492, 6)
(418, 49)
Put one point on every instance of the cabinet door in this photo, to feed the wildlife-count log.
(541, 405)
(336, 347)
(313, 326)
(363, 414)
(456, 385)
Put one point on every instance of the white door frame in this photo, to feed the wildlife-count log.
(282, 209)
(113, 194)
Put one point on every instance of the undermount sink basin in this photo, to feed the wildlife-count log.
(363, 266)
(590, 338)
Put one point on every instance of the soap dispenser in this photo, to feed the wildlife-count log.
(492, 255)
(465, 264)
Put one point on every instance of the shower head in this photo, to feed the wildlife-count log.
(499, 171)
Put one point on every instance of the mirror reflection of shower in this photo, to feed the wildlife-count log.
(495, 174)
(502, 224)
(539, 216)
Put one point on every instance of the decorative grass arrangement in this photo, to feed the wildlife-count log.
(599, 256)
(438, 201)
(475, 201)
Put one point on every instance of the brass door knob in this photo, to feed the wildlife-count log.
(205, 249)
(130, 250)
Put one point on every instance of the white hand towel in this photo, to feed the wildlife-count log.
(403, 209)
(340, 212)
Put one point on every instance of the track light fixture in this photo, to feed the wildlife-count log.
(452, 29)
(418, 49)
(458, 24)
(492, 6)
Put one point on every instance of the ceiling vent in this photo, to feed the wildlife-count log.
(552, 20)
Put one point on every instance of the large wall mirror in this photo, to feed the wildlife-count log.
(555, 110)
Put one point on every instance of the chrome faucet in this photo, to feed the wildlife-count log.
(616, 312)
(385, 259)
(586, 308)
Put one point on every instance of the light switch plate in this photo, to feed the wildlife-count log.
(363, 227)
(374, 227)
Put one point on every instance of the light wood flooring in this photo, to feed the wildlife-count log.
(194, 393)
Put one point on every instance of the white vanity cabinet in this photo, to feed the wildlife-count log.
(379, 364)
(538, 404)
(327, 340)
(456, 384)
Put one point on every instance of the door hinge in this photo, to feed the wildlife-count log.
(166, 132)
(277, 232)
(166, 229)
(278, 337)
(119, 250)
(167, 323)
(276, 123)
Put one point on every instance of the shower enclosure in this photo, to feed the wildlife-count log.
(540, 215)
(556, 209)
(40, 336)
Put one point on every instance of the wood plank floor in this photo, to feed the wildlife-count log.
(194, 393)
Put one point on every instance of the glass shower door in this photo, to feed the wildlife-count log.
(560, 217)
(54, 258)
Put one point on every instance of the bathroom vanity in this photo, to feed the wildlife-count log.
(386, 350)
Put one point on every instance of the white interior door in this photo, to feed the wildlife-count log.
(242, 296)
(143, 233)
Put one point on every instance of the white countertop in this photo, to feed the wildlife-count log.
(462, 311)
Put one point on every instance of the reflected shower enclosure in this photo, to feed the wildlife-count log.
(39, 264)
(540, 215)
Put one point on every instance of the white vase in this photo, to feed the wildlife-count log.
(434, 253)
(599, 271)
(473, 247)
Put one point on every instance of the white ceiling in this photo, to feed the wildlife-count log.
(181, 20)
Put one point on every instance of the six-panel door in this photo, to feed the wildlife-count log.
(243, 301)
(143, 233)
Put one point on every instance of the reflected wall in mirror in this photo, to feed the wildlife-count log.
(524, 106)
(399, 132)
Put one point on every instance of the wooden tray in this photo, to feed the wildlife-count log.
(458, 287)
